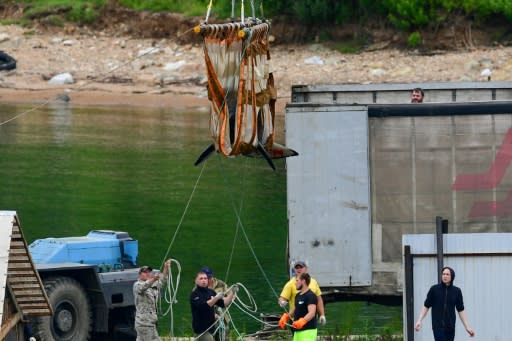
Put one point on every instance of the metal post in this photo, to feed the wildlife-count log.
(439, 246)
(445, 226)
(409, 292)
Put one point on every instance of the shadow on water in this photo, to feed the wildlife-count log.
(67, 171)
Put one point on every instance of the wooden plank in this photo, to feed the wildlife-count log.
(19, 279)
(37, 312)
(25, 265)
(17, 244)
(19, 257)
(27, 292)
(19, 286)
(9, 324)
(23, 285)
(22, 272)
(34, 294)
(28, 299)
(34, 305)
(27, 288)
(30, 294)
(17, 252)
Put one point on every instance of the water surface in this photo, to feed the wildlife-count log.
(69, 170)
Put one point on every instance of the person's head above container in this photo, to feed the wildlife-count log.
(417, 95)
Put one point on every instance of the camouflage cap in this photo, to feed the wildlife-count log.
(145, 268)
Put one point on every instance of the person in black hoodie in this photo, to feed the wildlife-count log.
(444, 298)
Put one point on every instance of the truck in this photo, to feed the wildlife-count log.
(372, 167)
(89, 283)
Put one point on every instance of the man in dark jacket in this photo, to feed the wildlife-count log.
(444, 298)
(202, 302)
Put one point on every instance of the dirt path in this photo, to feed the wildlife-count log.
(120, 70)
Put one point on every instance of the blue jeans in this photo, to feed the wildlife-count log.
(444, 335)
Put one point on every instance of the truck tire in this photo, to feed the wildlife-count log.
(72, 315)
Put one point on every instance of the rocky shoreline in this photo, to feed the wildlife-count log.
(117, 70)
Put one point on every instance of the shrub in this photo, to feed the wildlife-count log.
(414, 39)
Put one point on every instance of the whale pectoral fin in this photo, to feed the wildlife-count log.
(279, 151)
(264, 153)
(205, 154)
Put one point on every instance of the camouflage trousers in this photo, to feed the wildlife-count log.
(147, 333)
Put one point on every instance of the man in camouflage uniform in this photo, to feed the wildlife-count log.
(145, 292)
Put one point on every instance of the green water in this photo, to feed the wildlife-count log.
(67, 171)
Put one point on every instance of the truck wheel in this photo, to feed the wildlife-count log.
(72, 316)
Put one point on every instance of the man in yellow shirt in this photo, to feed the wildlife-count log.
(290, 291)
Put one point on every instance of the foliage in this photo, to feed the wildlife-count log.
(84, 13)
(414, 39)
(409, 15)
(54, 11)
(191, 8)
(317, 11)
(349, 46)
(405, 14)
(21, 22)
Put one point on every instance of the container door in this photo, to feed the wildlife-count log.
(328, 193)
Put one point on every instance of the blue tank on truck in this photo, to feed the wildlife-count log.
(88, 281)
(104, 248)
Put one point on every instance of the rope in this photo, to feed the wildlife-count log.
(220, 320)
(240, 223)
(171, 292)
(25, 112)
(242, 16)
(253, 9)
(184, 212)
(248, 309)
(208, 11)
(254, 255)
(235, 238)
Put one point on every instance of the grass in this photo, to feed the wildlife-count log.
(21, 22)
(80, 11)
(349, 46)
(367, 337)
(189, 8)
(87, 11)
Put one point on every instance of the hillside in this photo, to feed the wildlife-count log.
(107, 68)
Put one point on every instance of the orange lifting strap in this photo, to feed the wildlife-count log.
(241, 89)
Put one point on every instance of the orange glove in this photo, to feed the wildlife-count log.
(300, 323)
(282, 321)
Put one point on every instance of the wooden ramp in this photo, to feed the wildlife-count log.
(22, 293)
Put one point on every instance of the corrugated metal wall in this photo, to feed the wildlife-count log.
(420, 168)
(393, 93)
(481, 263)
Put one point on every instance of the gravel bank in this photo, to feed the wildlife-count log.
(125, 71)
